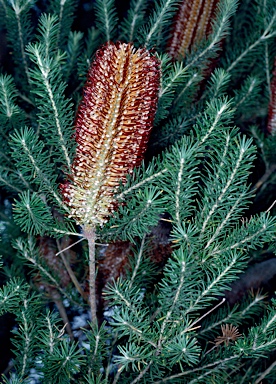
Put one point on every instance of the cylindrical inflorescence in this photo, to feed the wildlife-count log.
(192, 23)
(271, 123)
(113, 124)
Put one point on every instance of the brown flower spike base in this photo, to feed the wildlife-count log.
(113, 124)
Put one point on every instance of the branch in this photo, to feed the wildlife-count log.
(89, 233)
(261, 39)
(45, 74)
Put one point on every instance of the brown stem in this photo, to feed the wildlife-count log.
(265, 177)
(90, 234)
(70, 272)
(118, 374)
(62, 311)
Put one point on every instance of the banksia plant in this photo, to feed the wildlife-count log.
(113, 124)
(110, 136)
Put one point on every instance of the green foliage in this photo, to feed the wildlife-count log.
(97, 338)
(11, 116)
(31, 157)
(55, 111)
(244, 53)
(139, 214)
(106, 19)
(10, 113)
(24, 340)
(161, 320)
(64, 10)
(74, 48)
(31, 214)
(172, 77)
(158, 20)
(91, 44)
(246, 96)
(237, 315)
(29, 254)
(19, 33)
(12, 295)
(63, 363)
(134, 20)
(141, 269)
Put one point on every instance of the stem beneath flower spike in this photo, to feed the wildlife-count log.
(90, 235)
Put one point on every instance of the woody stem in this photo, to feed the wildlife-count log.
(90, 234)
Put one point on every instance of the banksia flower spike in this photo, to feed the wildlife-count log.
(271, 124)
(192, 24)
(113, 124)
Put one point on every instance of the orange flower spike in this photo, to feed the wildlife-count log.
(192, 23)
(204, 26)
(271, 124)
(113, 124)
